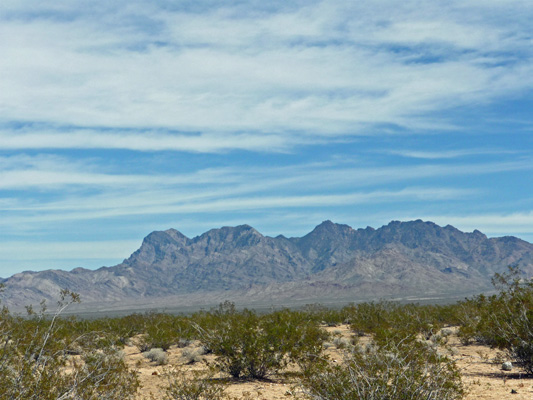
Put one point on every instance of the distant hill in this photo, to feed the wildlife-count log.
(333, 263)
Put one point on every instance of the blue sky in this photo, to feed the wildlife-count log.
(121, 118)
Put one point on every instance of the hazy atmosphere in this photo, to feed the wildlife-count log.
(121, 118)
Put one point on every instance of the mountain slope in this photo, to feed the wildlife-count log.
(332, 262)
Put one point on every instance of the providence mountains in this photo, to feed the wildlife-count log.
(333, 263)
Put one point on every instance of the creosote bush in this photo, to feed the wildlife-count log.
(505, 320)
(387, 321)
(398, 370)
(248, 345)
(164, 330)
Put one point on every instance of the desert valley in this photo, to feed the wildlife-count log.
(304, 318)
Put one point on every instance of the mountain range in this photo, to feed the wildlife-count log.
(332, 264)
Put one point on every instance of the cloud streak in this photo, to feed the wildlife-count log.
(323, 69)
(249, 203)
(449, 154)
(53, 173)
(145, 141)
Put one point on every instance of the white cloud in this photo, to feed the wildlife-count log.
(321, 69)
(146, 141)
(51, 173)
(448, 154)
(173, 206)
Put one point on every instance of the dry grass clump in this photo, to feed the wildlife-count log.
(192, 355)
(157, 355)
(199, 387)
(342, 342)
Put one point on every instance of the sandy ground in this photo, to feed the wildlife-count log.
(483, 377)
(480, 368)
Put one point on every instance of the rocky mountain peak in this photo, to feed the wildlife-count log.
(400, 258)
(412, 234)
(479, 234)
(161, 238)
(156, 246)
(176, 235)
(328, 229)
(229, 234)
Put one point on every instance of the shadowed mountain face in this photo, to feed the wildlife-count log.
(332, 263)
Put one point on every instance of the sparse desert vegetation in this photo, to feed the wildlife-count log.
(361, 351)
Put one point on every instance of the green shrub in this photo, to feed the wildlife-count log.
(118, 329)
(392, 321)
(247, 345)
(163, 330)
(102, 375)
(405, 370)
(299, 337)
(505, 320)
(323, 315)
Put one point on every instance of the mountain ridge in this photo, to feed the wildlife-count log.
(333, 262)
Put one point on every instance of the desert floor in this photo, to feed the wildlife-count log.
(480, 368)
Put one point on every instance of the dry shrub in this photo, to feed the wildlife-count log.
(157, 355)
(36, 364)
(191, 356)
(199, 387)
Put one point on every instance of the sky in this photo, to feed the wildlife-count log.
(118, 118)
